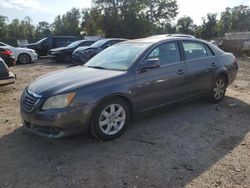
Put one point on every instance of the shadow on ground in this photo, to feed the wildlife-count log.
(168, 147)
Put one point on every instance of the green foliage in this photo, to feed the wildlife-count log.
(42, 30)
(3, 26)
(128, 19)
(185, 25)
(209, 26)
(92, 20)
(135, 18)
(67, 24)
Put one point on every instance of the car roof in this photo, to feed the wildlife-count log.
(83, 40)
(56, 36)
(108, 39)
(165, 39)
(172, 35)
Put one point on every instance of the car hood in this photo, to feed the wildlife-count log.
(23, 49)
(69, 80)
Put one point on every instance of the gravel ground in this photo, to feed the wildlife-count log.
(193, 144)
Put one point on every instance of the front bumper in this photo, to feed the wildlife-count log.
(34, 57)
(57, 123)
(52, 57)
(10, 80)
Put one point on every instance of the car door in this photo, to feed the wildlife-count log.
(161, 85)
(201, 64)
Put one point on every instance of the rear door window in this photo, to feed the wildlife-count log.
(195, 50)
(209, 51)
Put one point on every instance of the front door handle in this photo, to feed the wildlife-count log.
(181, 72)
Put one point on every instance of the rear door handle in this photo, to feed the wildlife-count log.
(181, 71)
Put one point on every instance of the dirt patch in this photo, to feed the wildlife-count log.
(194, 144)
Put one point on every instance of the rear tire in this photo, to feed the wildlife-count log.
(110, 119)
(218, 90)
(24, 59)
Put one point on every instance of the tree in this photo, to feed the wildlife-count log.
(92, 21)
(3, 26)
(13, 29)
(26, 28)
(240, 16)
(57, 25)
(43, 30)
(185, 25)
(209, 26)
(135, 18)
(159, 11)
(68, 24)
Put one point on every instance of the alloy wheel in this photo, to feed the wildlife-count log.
(219, 89)
(112, 119)
(24, 59)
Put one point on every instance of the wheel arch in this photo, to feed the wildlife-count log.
(225, 75)
(121, 96)
(116, 95)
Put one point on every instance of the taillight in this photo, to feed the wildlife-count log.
(7, 52)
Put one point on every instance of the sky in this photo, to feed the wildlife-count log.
(47, 10)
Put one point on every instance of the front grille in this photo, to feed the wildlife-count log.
(28, 101)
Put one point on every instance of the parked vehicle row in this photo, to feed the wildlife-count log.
(64, 54)
(125, 79)
(83, 54)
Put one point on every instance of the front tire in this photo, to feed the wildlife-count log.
(218, 90)
(110, 119)
(24, 59)
(67, 58)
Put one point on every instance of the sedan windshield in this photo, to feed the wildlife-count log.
(99, 43)
(118, 57)
(75, 44)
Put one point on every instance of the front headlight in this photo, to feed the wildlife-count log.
(58, 101)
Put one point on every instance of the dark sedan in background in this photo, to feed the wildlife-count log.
(130, 77)
(64, 54)
(83, 54)
(7, 56)
(6, 76)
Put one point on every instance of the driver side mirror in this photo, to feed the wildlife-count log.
(151, 64)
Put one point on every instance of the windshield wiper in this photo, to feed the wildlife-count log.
(97, 67)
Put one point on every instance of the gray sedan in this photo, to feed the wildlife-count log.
(125, 79)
